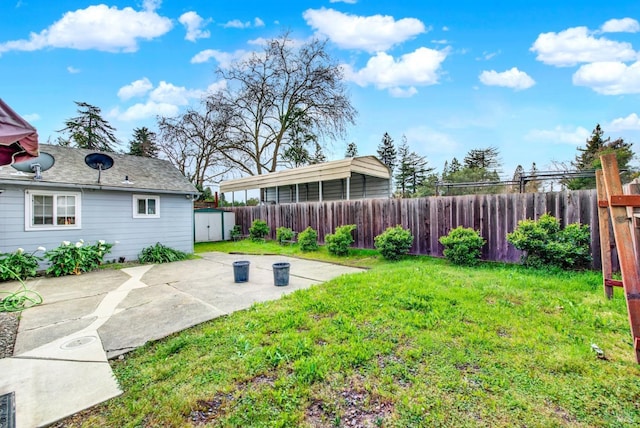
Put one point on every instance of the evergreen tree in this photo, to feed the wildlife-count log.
(445, 171)
(589, 158)
(318, 156)
(455, 166)
(483, 158)
(517, 177)
(387, 152)
(352, 151)
(296, 151)
(533, 185)
(89, 130)
(403, 171)
(418, 173)
(143, 143)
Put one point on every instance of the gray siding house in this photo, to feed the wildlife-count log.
(136, 203)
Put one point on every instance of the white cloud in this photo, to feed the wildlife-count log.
(440, 42)
(194, 24)
(445, 28)
(257, 22)
(402, 92)
(33, 117)
(217, 86)
(560, 134)
(486, 56)
(418, 68)
(73, 70)
(512, 78)
(236, 23)
(146, 110)
(370, 33)
(624, 25)
(224, 59)
(172, 94)
(136, 88)
(151, 5)
(629, 123)
(576, 45)
(97, 27)
(609, 78)
(432, 142)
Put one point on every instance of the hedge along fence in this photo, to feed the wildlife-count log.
(430, 218)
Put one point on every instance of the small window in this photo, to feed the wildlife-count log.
(46, 210)
(145, 206)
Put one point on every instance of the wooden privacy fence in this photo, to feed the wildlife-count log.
(430, 218)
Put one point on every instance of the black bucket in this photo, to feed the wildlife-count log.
(281, 273)
(241, 271)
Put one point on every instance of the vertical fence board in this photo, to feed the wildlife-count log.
(430, 218)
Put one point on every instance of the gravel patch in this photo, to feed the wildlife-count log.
(8, 331)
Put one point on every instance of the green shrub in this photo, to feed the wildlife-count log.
(308, 239)
(76, 258)
(284, 234)
(394, 242)
(338, 243)
(160, 254)
(258, 230)
(462, 246)
(19, 264)
(546, 244)
(236, 232)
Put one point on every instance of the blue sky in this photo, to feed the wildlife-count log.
(530, 78)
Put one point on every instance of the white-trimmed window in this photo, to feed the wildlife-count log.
(146, 206)
(47, 210)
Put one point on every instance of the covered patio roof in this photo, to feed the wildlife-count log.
(334, 170)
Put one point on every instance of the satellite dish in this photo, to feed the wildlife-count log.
(99, 161)
(39, 164)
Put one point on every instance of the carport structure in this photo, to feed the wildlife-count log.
(350, 178)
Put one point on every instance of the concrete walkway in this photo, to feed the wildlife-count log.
(60, 363)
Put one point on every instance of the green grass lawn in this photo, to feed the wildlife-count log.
(412, 343)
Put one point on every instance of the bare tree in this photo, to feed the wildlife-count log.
(270, 92)
(195, 142)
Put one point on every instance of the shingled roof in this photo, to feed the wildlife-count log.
(70, 170)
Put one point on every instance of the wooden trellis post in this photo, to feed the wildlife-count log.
(610, 195)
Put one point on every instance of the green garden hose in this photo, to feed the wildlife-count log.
(18, 300)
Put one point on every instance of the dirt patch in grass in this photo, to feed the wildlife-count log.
(350, 407)
(210, 410)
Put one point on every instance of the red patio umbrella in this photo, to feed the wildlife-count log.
(18, 139)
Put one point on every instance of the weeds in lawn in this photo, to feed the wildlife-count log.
(412, 343)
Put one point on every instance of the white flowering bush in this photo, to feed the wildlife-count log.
(19, 264)
(76, 258)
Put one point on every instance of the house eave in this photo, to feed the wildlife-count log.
(46, 184)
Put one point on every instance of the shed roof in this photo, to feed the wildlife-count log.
(70, 170)
(334, 170)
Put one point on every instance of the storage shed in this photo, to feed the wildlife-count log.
(211, 224)
(351, 178)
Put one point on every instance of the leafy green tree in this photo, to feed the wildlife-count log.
(88, 130)
(143, 143)
(588, 158)
(352, 150)
(387, 152)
